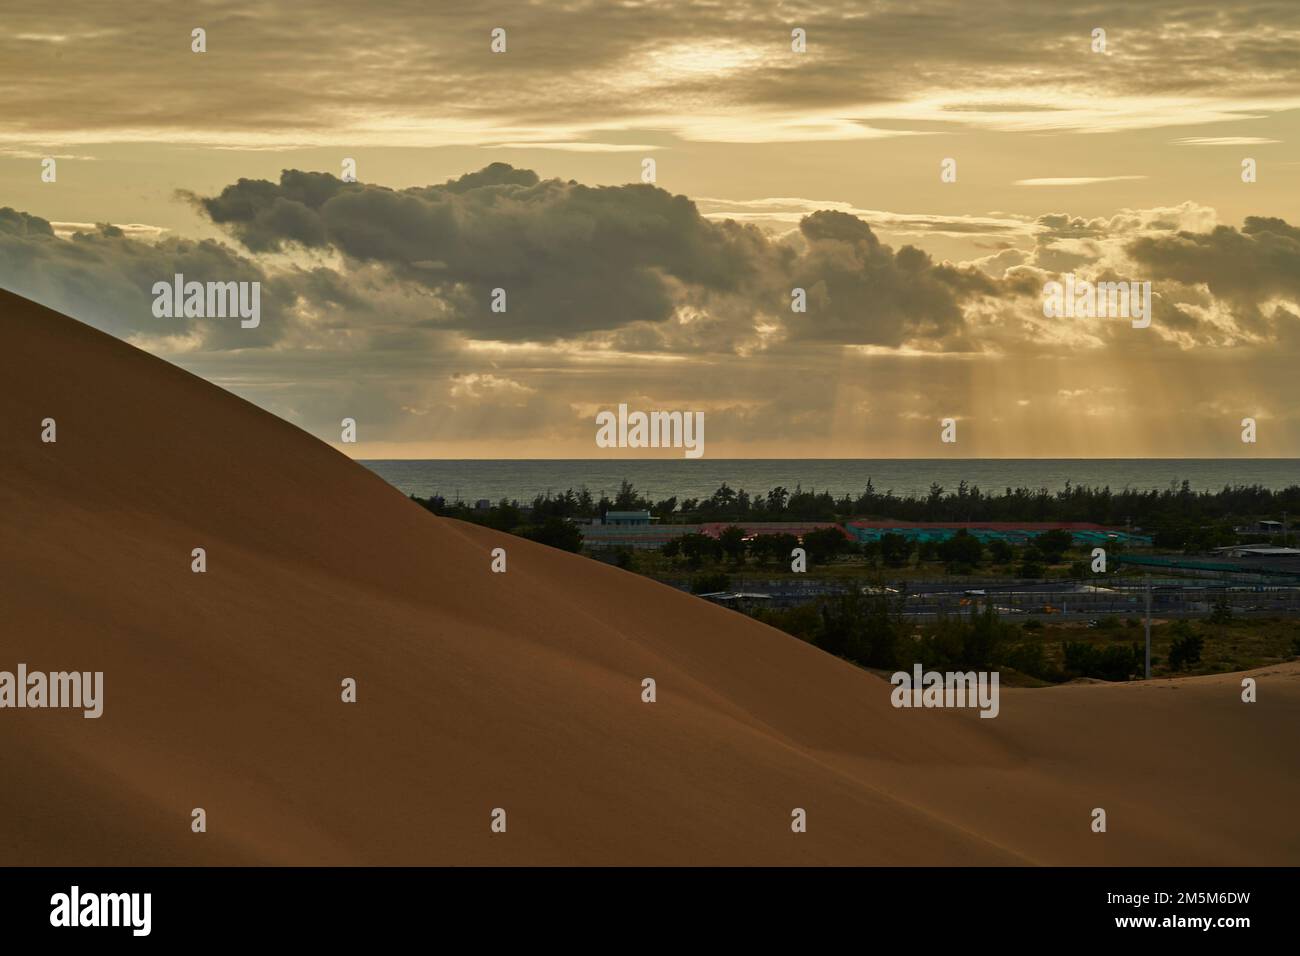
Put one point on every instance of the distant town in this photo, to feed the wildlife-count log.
(1061, 585)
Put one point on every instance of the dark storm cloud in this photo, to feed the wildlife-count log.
(1246, 266)
(861, 292)
(575, 259)
(106, 279)
(19, 224)
(369, 270)
(571, 258)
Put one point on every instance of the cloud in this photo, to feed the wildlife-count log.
(315, 73)
(582, 147)
(1245, 267)
(136, 230)
(1225, 141)
(376, 305)
(862, 293)
(622, 273)
(569, 258)
(478, 385)
(573, 259)
(789, 210)
(17, 153)
(105, 276)
(1073, 180)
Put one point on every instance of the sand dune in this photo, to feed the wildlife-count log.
(519, 690)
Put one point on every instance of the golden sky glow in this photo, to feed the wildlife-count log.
(1118, 164)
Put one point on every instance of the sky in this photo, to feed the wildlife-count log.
(1101, 141)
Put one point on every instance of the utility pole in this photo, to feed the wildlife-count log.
(1148, 669)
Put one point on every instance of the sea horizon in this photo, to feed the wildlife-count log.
(525, 478)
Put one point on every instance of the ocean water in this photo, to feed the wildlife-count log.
(685, 478)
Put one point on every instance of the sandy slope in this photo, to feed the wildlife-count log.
(517, 690)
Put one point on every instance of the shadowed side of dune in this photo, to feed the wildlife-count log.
(478, 690)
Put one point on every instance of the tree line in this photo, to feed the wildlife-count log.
(1176, 517)
(966, 502)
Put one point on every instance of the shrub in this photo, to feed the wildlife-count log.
(768, 548)
(824, 544)
(975, 642)
(1114, 662)
(1031, 563)
(710, 583)
(557, 533)
(1185, 651)
(802, 621)
(1001, 552)
(867, 629)
(698, 548)
(1028, 658)
(895, 550)
(961, 550)
(1053, 544)
(732, 542)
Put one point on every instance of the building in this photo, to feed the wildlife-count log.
(641, 534)
(1242, 563)
(627, 519)
(1013, 532)
(1258, 529)
(753, 529)
(739, 600)
(1258, 551)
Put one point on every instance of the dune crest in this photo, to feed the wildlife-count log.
(519, 691)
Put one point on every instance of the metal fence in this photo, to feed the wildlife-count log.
(1055, 599)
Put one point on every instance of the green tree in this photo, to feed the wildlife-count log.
(1031, 563)
(1053, 544)
(1001, 552)
(627, 498)
(1185, 650)
(710, 583)
(824, 544)
(557, 533)
(868, 629)
(732, 542)
(895, 550)
(699, 548)
(773, 548)
(1114, 662)
(961, 550)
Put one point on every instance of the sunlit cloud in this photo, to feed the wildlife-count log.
(1226, 141)
(1074, 180)
(578, 147)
